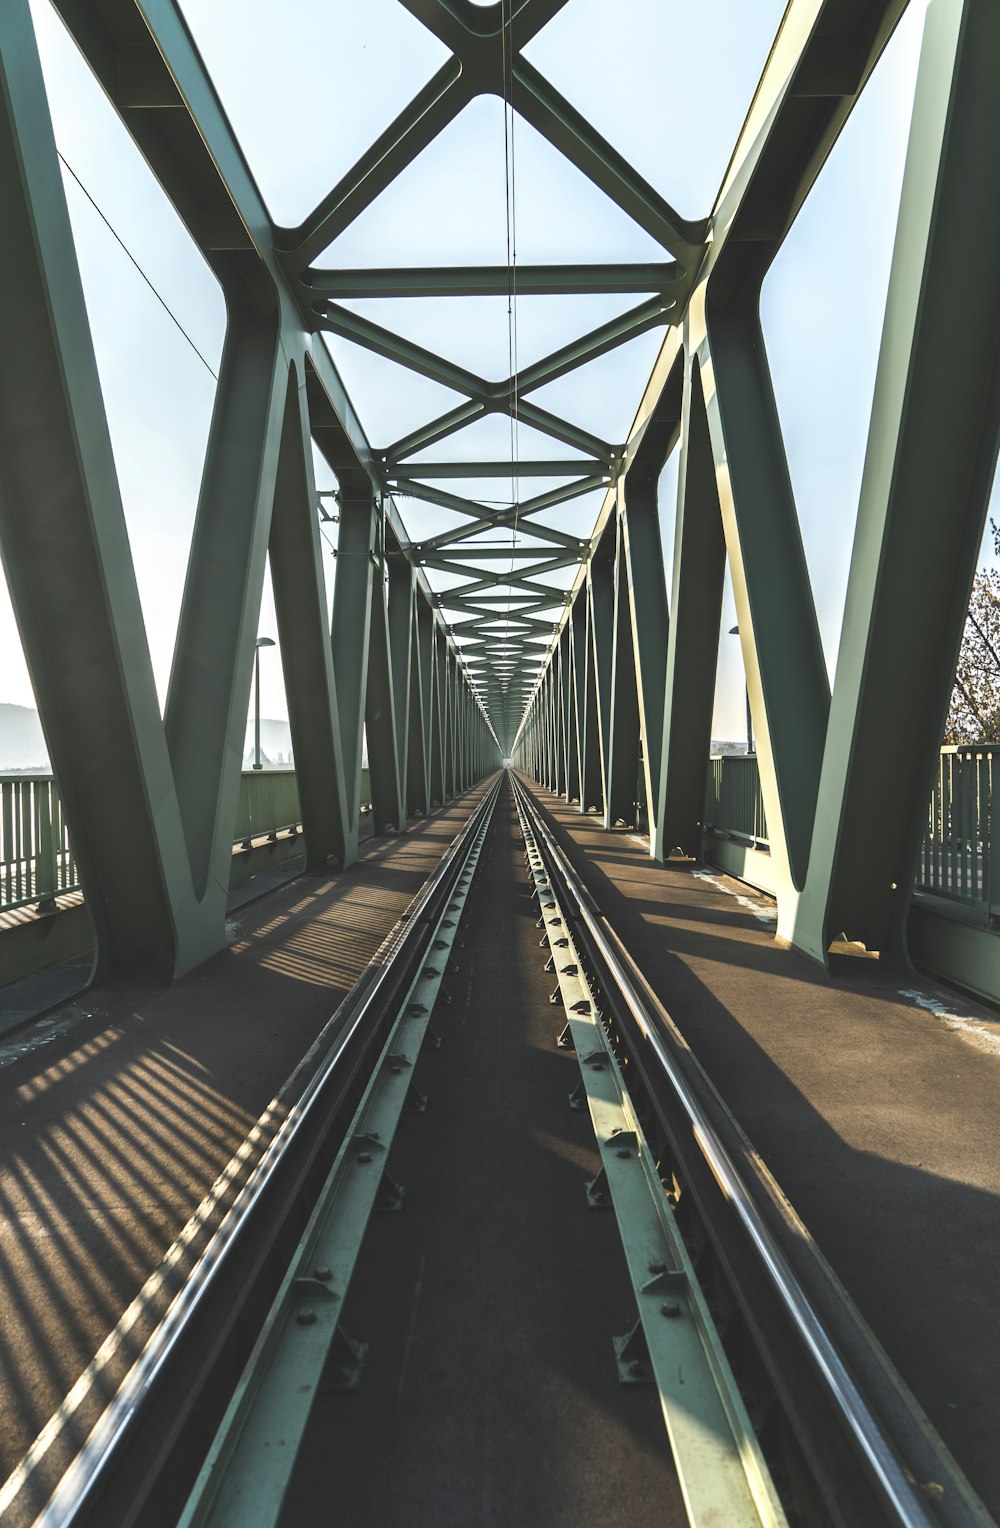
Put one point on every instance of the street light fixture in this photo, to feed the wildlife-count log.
(734, 631)
(261, 642)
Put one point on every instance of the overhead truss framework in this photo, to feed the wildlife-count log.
(622, 711)
(600, 679)
(502, 615)
(151, 800)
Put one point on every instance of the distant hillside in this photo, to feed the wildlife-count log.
(275, 743)
(22, 745)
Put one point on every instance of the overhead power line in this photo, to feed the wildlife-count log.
(117, 236)
(510, 172)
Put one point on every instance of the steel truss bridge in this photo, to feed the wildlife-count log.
(600, 695)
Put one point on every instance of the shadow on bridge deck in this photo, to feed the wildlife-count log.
(122, 1108)
(872, 1097)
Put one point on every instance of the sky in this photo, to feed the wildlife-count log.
(675, 111)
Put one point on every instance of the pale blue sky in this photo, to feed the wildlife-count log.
(672, 104)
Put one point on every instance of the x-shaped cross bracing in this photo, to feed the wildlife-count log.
(486, 46)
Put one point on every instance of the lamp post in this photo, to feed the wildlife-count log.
(261, 642)
(734, 631)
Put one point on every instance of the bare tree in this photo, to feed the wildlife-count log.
(974, 712)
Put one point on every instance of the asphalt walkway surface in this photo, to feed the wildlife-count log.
(121, 1109)
(872, 1096)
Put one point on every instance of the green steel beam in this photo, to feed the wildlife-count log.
(606, 337)
(66, 554)
(432, 640)
(405, 473)
(601, 605)
(623, 739)
(469, 72)
(494, 281)
(568, 718)
(779, 632)
(446, 94)
(688, 685)
(155, 78)
(502, 520)
(928, 475)
(495, 554)
(300, 607)
(824, 52)
(351, 635)
(552, 115)
(642, 568)
(504, 396)
(210, 677)
(382, 713)
(418, 795)
(383, 342)
(483, 518)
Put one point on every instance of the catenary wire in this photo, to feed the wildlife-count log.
(117, 236)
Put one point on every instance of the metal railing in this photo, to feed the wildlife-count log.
(956, 856)
(36, 855)
(268, 804)
(734, 806)
(957, 859)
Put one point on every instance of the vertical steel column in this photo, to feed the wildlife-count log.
(351, 631)
(460, 775)
(546, 708)
(387, 696)
(589, 750)
(401, 615)
(467, 733)
(434, 714)
(693, 641)
(622, 746)
(209, 692)
(642, 559)
(300, 605)
(418, 762)
(568, 713)
(779, 633)
(380, 707)
(557, 760)
(932, 451)
(447, 721)
(66, 553)
(576, 627)
(560, 715)
(553, 725)
(601, 605)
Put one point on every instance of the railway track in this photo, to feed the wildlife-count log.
(845, 1441)
(779, 1406)
(138, 1460)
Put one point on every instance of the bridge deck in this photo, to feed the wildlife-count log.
(490, 1392)
(876, 1113)
(121, 1109)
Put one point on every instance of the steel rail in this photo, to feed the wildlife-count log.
(250, 1464)
(897, 1491)
(72, 1500)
